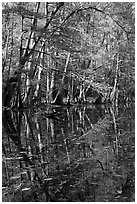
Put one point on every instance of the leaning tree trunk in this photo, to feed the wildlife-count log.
(28, 56)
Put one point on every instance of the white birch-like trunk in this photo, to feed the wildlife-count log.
(51, 86)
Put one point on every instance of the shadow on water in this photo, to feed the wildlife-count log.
(79, 154)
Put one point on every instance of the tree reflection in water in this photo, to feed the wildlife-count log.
(80, 154)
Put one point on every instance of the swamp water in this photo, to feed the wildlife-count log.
(80, 154)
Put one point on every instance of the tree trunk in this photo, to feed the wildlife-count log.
(113, 93)
(63, 77)
(51, 86)
(37, 91)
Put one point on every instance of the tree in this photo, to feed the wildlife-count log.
(96, 35)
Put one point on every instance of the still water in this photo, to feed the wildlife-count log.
(76, 154)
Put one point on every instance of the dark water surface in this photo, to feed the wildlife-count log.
(77, 154)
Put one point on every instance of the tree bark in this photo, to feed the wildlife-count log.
(113, 93)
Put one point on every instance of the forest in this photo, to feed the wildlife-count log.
(68, 101)
(67, 53)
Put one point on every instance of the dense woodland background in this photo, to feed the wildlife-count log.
(68, 53)
(60, 59)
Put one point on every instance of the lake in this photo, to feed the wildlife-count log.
(69, 154)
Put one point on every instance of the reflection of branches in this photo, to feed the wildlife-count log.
(93, 153)
(9, 125)
(62, 157)
(115, 130)
(12, 127)
(95, 134)
(66, 146)
(99, 127)
(88, 120)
